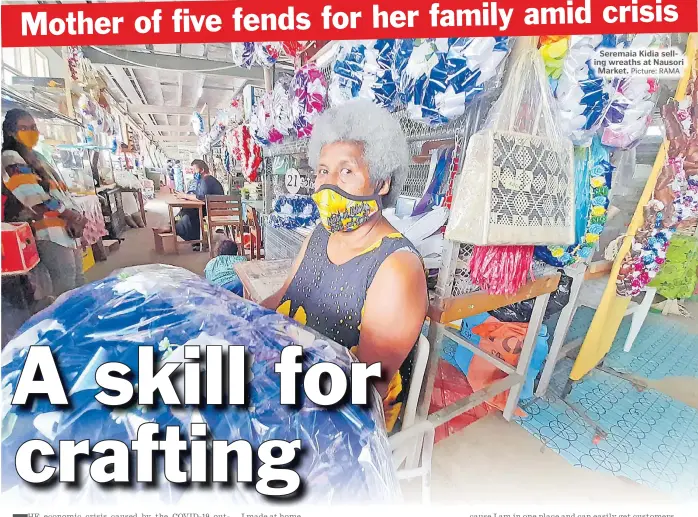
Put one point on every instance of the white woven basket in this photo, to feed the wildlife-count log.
(517, 182)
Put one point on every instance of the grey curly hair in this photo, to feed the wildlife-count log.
(376, 130)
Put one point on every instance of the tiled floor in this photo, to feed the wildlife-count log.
(664, 347)
(651, 438)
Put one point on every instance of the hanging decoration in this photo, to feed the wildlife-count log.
(674, 202)
(441, 76)
(262, 119)
(593, 174)
(517, 183)
(282, 116)
(633, 100)
(197, 123)
(293, 211)
(582, 96)
(246, 152)
(243, 54)
(267, 53)
(309, 89)
(292, 48)
(364, 69)
(74, 56)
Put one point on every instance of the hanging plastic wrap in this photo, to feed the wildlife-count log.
(309, 89)
(582, 96)
(364, 69)
(439, 77)
(345, 452)
(633, 99)
(197, 123)
(521, 312)
(243, 54)
(246, 152)
(282, 116)
(593, 176)
(262, 119)
(674, 201)
(267, 53)
(517, 183)
(294, 211)
(292, 48)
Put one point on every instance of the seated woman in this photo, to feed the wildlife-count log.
(356, 279)
(220, 271)
(189, 227)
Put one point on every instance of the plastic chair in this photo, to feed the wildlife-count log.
(590, 296)
(412, 446)
(402, 445)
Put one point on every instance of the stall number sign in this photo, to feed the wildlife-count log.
(294, 181)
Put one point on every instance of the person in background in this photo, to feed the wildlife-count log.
(189, 227)
(220, 271)
(36, 194)
(356, 279)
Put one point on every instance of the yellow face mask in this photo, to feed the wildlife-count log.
(342, 212)
(28, 137)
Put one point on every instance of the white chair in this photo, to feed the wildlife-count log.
(592, 292)
(412, 446)
(403, 446)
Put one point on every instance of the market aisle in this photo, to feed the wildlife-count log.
(138, 248)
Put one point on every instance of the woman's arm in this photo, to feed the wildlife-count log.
(394, 312)
(275, 299)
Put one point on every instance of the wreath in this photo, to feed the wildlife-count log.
(247, 153)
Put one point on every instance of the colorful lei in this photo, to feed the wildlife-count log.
(593, 167)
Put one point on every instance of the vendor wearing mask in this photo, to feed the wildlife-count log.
(356, 279)
(37, 194)
(189, 227)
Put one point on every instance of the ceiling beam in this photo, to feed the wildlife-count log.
(160, 110)
(176, 138)
(168, 62)
(171, 129)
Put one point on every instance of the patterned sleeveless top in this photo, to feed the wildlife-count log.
(330, 299)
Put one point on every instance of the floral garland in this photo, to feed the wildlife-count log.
(74, 55)
(294, 211)
(581, 95)
(247, 153)
(197, 123)
(437, 78)
(309, 89)
(292, 48)
(243, 54)
(593, 165)
(364, 69)
(633, 100)
(261, 119)
(675, 198)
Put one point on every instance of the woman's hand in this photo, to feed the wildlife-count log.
(76, 222)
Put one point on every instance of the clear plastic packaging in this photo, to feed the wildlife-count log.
(517, 180)
(633, 99)
(582, 96)
(345, 452)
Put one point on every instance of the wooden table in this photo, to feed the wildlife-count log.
(175, 202)
(262, 278)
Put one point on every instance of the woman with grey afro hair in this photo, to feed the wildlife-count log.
(356, 279)
(384, 145)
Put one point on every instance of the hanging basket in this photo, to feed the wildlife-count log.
(517, 185)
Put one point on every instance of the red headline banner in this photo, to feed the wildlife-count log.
(247, 20)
